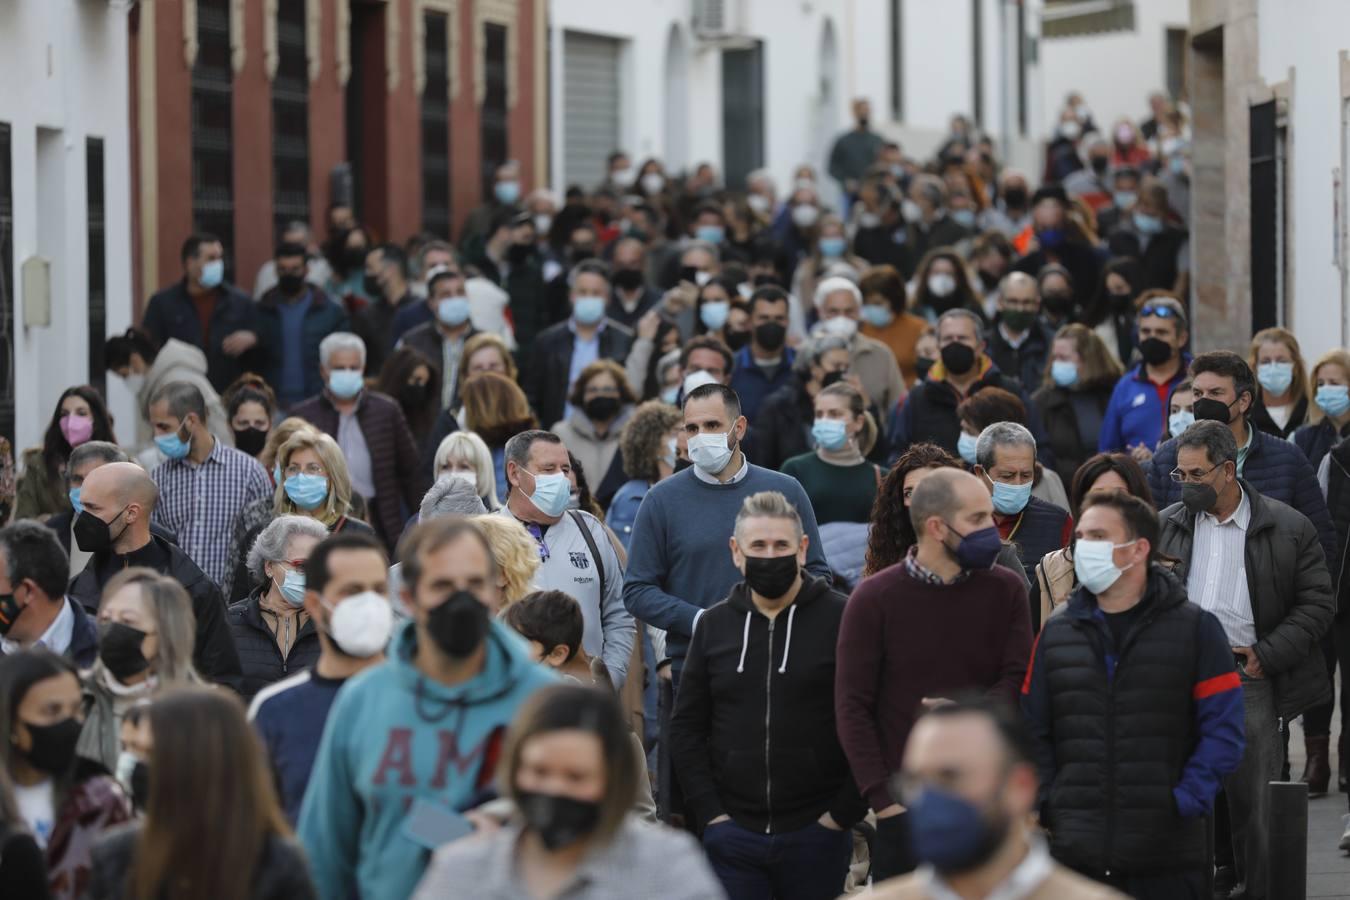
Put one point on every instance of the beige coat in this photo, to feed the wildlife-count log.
(875, 365)
(1060, 885)
(595, 453)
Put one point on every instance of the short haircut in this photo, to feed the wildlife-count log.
(730, 399)
(317, 574)
(1018, 746)
(1215, 438)
(290, 250)
(102, 451)
(885, 281)
(1141, 519)
(934, 496)
(392, 254)
(518, 447)
(589, 267)
(194, 243)
(1167, 300)
(1002, 434)
(552, 618)
(769, 293)
(989, 406)
(339, 341)
(962, 313)
(1227, 364)
(32, 552)
(1121, 464)
(270, 545)
(428, 537)
(768, 505)
(182, 398)
(707, 342)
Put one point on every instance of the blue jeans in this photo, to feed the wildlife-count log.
(807, 864)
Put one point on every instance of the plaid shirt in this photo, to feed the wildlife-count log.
(920, 572)
(199, 503)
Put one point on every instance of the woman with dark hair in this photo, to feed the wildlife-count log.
(886, 317)
(79, 416)
(649, 448)
(980, 410)
(22, 868)
(1112, 311)
(144, 366)
(569, 769)
(64, 802)
(602, 402)
(251, 405)
(414, 381)
(346, 251)
(1074, 394)
(721, 312)
(213, 829)
(1103, 473)
(942, 283)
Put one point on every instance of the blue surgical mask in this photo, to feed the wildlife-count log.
(713, 234)
(292, 588)
(213, 273)
(307, 491)
(75, 501)
(670, 394)
(965, 445)
(1009, 499)
(830, 434)
(1275, 376)
(172, 446)
(713, 314)
(964, 217)
(1146, 224)
(1064, 373)
(978, 549)
(1177, 165)
(588, 310)
(876, 315)
(1125, 199)
(276, 474)
(345, 383)
(1094, 564)
(833, 247)
(949, 832)
(551, 494)
(1179, 421)
(453, 311)
(1333, 399)
(507, 192)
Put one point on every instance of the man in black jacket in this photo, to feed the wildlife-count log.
(34, 608)
(753, 734)
(1018, 343)
(1257, 565)
(118, 501)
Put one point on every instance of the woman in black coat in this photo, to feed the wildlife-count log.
(1073, 396)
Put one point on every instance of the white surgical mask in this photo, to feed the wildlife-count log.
(711, 452)
(696, 379)
(135, 381)
(360, 624)
(841, 326)
(470, 477)
(1094, 564)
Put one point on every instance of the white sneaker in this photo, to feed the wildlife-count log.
(1345, 838)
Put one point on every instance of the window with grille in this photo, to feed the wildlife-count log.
(436, 128)
(212, 127)
(493, 114)
(6, 287)
(97, 288)
(290, 120)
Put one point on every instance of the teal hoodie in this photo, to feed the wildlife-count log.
(395, 737)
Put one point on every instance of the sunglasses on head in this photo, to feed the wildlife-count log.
(1162, 312)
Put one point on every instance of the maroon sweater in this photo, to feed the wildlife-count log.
(902, 640)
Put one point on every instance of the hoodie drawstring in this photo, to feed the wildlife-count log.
(787, 645)
(745, 643)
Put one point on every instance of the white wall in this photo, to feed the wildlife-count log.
(65, 62)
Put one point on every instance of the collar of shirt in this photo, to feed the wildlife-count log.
(213, 457)
(1021, 882)
(57, 636)
(734, 479)
(1241, 516)
(1014, 342)
(600, 327)
(920, 572)
(1246, 448)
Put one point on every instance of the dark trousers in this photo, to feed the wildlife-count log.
(1248, 788)
(807, 864)
(1172, 886)
(669, 797)
(892, 852)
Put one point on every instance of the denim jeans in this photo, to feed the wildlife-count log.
(1248, 788)
(807, 864)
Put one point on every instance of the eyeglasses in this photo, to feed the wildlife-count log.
(311, 469)
(1159, 310)
(293, 563)
(1181, 477)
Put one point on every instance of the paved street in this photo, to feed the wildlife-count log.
(1328, 867)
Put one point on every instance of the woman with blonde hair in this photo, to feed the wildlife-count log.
(486, 352)
(516, 555)
(495, 409)
(1329, 416)
(146, 634)
(1281, 407)
(464, 455)
(1074, 394)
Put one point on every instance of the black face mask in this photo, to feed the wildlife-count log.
(601, 409)
(580, 254)
(958, 359)
(764, 278)
(519, 253)
(10, 610)
(354, 257)
(921, 367)
(689, 274)
(1210, 410)
(1199, 497)
(291, 283)
(1122, 302)
(770, 335)
(53, 749)
(834, 377)
(95, 535)
(559, 821)
(140, 784)
(412, 397)
(1057, 305)
(1100, 164)
(629, 279)
(736, 339)
(1015, 198)
(371, 284)
(990, 280)
(119, 647)
(249, 440)
(1155, 352)
(459, 625)
(771, 576)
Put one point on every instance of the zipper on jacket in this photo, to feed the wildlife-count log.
(768, 716)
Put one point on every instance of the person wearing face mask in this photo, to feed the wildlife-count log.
(80, 416)
(34, 608)
(506, 193)
(295, 232)
(443, 339)
(1111, 313)
(145, 366)
(206, 311)
(765, 365)
(1132, 671)
(293, 318)
(1136, 417)
(632, 297)
(855, 150)
(1011, 213)
(970, 779)
(886, 317)
(145, 648)
(885, 672)
(1329, 416)
(830, 248)
(1019, 342)
(942, 283)
(841, 483)
(412, 745)
(1151, 233)
(1281, 408)
(602, 403)
(1124, 195)
(649, 446)
(345, 596)
(251, 407)
(1258, 566)
(63, 805)
(119, 500)
(839, 303)
(765, 825)
(929, 225)
(574, 548)
(1060, 239)
(571, 777)
(387, 280)
(1073, 395)
(272, 632)
(1092, 183)
(409, 376)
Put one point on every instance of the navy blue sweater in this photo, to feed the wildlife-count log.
(289, 717)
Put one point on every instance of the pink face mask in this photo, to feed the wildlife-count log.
(77, 429)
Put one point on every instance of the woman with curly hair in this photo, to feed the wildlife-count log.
(516, 555)
(892, 534)
(649, 447)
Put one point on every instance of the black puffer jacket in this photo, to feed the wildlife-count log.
(259, 655)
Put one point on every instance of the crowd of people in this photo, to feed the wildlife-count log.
(433, 570)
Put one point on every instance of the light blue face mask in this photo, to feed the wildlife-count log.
(551, 494)
(713, 314)
(172, 446)
(307, 491)
(292, 588)
(1334, 399)
(345, 383)
(1009, 499)
(833, 247)
(670, 394)
(213, 273)
(1147, 224)
(876, 315)
(713, 234)
(1125, 199)
(453, 311)
(75, 501)
(1094, 564)
(1275, 376)
(965, 445)
(830, 434)
(1064, 373)
(1179, 421)
(507, 192)
(588, 310)
(964, 217)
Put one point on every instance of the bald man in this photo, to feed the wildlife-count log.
(119, 499)
(1019, 341)
(888, 671)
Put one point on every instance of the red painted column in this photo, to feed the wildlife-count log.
(403, 152)
(252, 162)
(327, 120)
(522, 135)
(173, 127)
(466, 192)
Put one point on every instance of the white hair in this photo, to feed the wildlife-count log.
(835, 285)
(761, 175)
(471, 448)
(270, 545)
(339, 341)
(1001, 434)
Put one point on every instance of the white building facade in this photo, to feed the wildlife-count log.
(65, 194)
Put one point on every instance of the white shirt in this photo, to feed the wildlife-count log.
(56, 638)
(37, 807)
(712, 479)
(1218, 578)
(1021, 882)
(352, 441)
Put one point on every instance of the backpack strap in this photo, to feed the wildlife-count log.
(592, 547)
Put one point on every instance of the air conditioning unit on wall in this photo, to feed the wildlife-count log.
(719, 23)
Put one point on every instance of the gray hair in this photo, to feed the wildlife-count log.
(182, 399)
(339, 341)
(518, 448)
(89, 451)
(450, 496)
(836, 284)
(768, 505)
(1214, 438)
(1001, 434)
(270, 545)
(962, 313)
(710, 249)
(813, 352)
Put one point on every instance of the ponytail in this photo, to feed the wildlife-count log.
(867, 438)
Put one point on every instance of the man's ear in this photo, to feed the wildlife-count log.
(557, 657)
